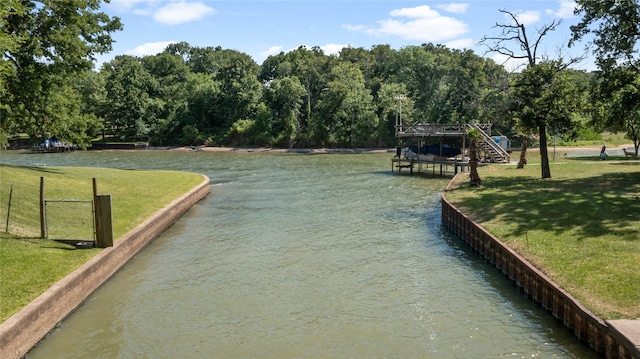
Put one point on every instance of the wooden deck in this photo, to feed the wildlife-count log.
(53, 149)
(437, 130)
(437, 166)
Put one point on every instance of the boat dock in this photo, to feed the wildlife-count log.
(441, 149)
(437, 167)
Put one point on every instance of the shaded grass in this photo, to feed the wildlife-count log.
(580, 227)
(28, 266)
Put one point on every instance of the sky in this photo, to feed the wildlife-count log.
(263, 28)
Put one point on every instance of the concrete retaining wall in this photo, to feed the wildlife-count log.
(26, 328)
(586, 326)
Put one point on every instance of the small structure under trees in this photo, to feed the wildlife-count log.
(443, 147)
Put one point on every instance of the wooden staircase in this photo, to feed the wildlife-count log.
(491, 149)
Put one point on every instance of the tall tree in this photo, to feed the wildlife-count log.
(474, 177)
(514, 36)
(310, 67)
(616, 103)
(128, 86)
(390, 107)
(9, 42)
(285, 98)
(349, 107)
(418, 69)
(615, 26)
(49, 41)
(545, 98)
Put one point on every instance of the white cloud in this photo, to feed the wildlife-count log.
(354, 27)
(418, 12)
(460, 44)
(526, 17)
(138, 7)
(179, 12)
(273, 50)
(509, 63)
(332, 49)
(456, 8)
(420, 23)
(172, 12)
(150, 48)
(143, 12)
(565, 9)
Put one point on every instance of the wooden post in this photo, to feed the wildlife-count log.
(104, 224)
(6, 228)
(43, 224)
(95, 208)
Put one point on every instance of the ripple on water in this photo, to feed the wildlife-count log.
(305, 256)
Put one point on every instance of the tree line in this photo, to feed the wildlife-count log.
(190, 95)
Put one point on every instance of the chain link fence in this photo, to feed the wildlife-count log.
(70, 219)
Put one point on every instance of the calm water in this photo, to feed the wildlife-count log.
(302, 256)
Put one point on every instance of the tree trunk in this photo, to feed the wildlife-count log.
(544, 155)
(523, 153)
(474, 177)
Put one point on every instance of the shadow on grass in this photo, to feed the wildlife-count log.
(584, 207)
(35, 168)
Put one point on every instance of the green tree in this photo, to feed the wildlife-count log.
(535, 82)
(197, 109)
(44, 44)
(285, 97)
(9, 42)
(447, 85)
(389, 110)
(418, 69)
(128, 85)
(616, 103)
(474, 177)
(347, 116)
(240, 91)
(493, 100)
(544, 98)
(311, 67)
(171, 74)
(615, 26)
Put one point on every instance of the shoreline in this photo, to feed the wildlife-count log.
(321, 150)
(357, 150)
(272, 150)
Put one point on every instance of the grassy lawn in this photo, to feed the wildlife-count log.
(28, 266)
(581, 227)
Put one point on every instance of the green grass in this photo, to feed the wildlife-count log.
(581, 227)
(28, 266)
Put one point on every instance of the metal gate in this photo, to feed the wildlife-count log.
(70, 220)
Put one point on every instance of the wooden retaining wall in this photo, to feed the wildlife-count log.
(537, 286)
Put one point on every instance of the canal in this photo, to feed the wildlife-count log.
(302, 256)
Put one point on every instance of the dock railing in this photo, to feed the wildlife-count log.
(496, 153)
(438, 130)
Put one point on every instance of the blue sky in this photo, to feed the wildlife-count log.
(263, 28)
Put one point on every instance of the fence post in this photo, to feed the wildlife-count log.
(43, 227)
(104, 224)
(95, 207)
(6, 229)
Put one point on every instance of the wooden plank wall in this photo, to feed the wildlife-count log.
(536, 285)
